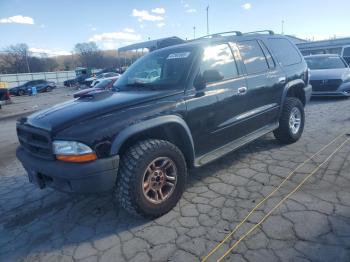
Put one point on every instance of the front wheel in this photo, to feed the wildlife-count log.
(151, 178)
(291, 122)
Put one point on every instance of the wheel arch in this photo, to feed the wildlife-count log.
(171, 128)
(295, 88)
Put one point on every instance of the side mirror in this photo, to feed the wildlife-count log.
(211, 75)
(207, 76)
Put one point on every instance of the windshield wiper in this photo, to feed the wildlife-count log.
(141, 85)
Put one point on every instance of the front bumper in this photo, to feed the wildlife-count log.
(92, 177)
(342, 91)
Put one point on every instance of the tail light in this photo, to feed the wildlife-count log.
(7, 95)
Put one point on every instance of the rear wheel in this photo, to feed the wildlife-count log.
(151, 178)
(291, 123)
(21, 93)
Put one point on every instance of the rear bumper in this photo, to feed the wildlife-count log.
(92, 177)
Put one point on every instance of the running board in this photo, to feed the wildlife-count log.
(224, 150)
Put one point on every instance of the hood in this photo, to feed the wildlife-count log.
(64, 115)
(323, 74)
(17, 87)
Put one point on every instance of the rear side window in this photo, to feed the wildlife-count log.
(285, 51)
(220, 58)
(253, 57)
(268, 56)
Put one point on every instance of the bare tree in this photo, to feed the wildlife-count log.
(89, 54)
(15, 58)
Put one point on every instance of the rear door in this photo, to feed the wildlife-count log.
(265, 81)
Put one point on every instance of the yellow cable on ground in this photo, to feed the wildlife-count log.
(268, 196)
(281, 202)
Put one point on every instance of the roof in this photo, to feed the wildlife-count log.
(295, 40)
(171, 41)
(338, 42)
(153, 44)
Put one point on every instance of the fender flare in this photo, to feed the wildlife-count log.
(288, 86)
(151, 123)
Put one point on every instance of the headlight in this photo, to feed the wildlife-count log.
(346, 79)
(72, 151)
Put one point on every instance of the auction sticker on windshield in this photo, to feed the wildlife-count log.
(178, 55)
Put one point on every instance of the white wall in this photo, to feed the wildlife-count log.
(18, 79)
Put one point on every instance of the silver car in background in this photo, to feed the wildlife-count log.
(330, 75)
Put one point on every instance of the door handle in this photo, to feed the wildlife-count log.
(242, 90)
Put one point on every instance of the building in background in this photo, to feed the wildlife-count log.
(340, 46)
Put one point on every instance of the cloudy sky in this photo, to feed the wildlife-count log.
(56, 26)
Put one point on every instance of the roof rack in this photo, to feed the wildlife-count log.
(270, 32)
(238, 33)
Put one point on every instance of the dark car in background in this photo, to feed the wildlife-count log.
(106, 84)
(329, 75)
(26, 88)
(76, 81)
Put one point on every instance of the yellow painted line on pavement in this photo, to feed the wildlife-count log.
(269, 195)
(282, 201)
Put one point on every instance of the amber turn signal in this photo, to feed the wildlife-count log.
(77, 158)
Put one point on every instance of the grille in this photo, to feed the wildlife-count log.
(326, 85)
(37, 142)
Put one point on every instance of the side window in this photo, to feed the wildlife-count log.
(268, 56)
(285, 51)
(220, 58)
(253, 57)
(346, 54)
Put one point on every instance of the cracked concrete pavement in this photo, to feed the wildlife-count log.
(312, 225)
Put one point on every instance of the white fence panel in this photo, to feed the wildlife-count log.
(11, 80)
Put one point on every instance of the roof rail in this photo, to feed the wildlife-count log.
(270, 32)
(238, 33)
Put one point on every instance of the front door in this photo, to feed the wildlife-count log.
(211, 112)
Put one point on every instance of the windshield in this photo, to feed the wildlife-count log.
(161, 69)
(326, 62)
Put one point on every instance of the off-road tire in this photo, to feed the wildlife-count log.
(284, 133)
(128, 191)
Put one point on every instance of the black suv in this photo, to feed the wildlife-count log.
(210, 96)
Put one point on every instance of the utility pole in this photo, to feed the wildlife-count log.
(26, 55)
(282, 27)
(208, 20)
(194, 32)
